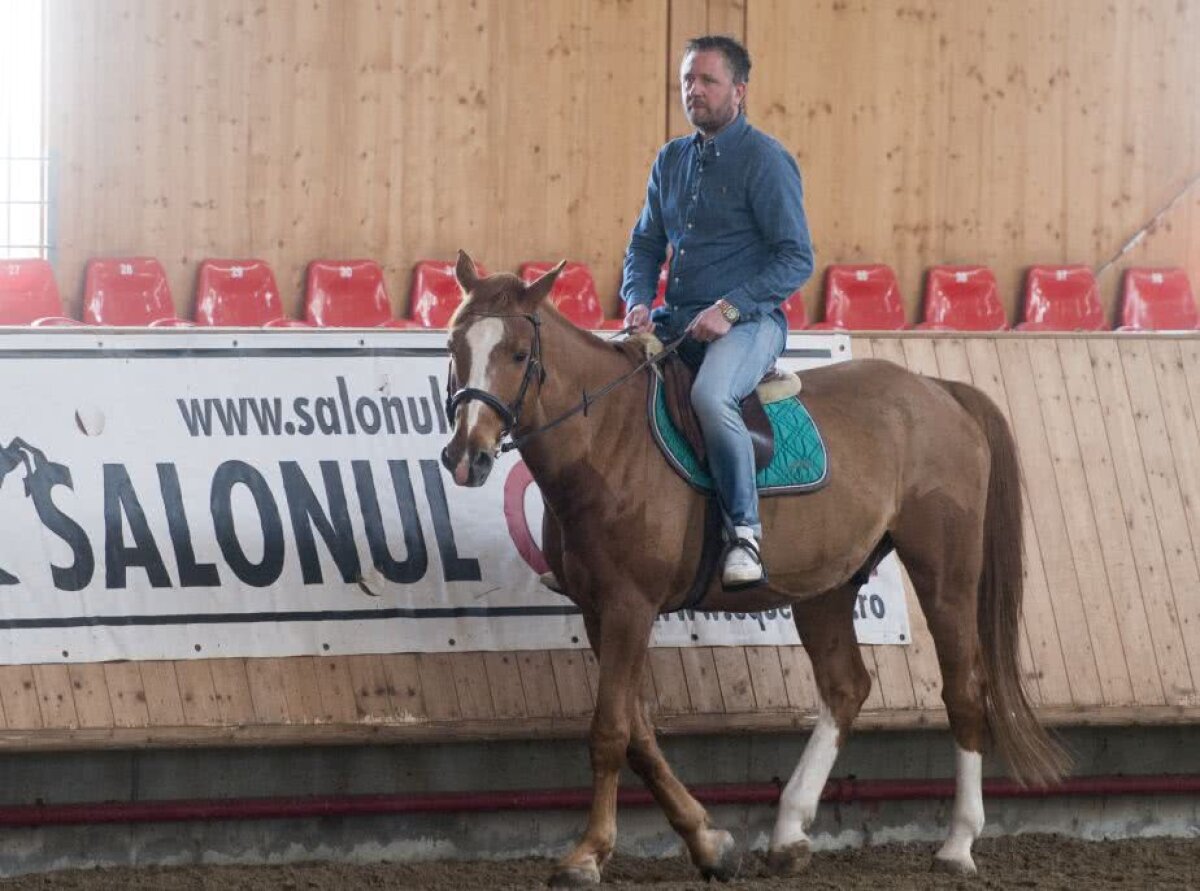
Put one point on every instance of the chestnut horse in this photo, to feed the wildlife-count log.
(924, 465)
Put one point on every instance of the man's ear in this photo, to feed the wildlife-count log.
(465, 272)
(539, 290)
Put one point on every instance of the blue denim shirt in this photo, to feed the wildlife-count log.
(732, 209)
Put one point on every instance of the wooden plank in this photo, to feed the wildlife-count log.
(1180, 418)
(1115, 550)
(231, 689)
(53, 684)
(798, 678)
(704, 688)
(267, 690)
(19, 697)
(90, 692)
(1138, 516)
(370, 685)
(164, 705)
(1046, 509)
(197, 696)
(766, 676)
(126, 694)
(504, 680)
(1165, 493)
(406, 688)
(438, 689)
(538, 683)
(471, 682)
(571, 678)
(335, 686)
(733, 678)
(1044, 670)
(670, 682)
(1091, 579)
(300, 688)
(895, 681)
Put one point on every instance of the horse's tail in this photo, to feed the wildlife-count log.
(1032, 755)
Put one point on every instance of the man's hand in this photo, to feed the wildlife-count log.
(638, 318)
(709, 325)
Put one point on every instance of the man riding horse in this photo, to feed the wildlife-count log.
(728, 201)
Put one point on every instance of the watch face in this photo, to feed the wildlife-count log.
(730, 312)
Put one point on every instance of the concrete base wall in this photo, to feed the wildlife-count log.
(132, 776)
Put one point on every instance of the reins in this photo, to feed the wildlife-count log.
(511, 414)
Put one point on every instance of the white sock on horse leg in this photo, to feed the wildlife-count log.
(967, 822)
(802, 794)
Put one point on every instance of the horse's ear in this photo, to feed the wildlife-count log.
(538, 290)
(465, 272)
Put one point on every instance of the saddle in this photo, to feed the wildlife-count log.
(677, 378)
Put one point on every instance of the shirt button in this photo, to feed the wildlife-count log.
(682, 251)
(676, 279)
(689, 225)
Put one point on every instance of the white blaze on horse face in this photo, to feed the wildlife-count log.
(967, 822)
(798, 803)
(482, 339)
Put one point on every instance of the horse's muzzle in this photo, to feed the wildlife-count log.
(467, 468)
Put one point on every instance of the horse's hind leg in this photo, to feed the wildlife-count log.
(826, 626)
(712, 850)
(943, 556)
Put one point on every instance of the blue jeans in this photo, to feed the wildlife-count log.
(733, 365)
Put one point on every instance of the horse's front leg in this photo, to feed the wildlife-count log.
(624, 632)
(713, 851)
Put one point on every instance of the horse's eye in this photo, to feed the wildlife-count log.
(520, 357)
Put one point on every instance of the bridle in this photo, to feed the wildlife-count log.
(510, 414)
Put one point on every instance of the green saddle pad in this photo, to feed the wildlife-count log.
(800, 463)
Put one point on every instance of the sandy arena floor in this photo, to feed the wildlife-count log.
(1033, 861)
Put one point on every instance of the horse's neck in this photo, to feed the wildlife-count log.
(576, 363)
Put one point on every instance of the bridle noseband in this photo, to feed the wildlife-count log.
(509, 414)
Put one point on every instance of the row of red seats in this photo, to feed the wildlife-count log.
(134, 291)
(966, 298)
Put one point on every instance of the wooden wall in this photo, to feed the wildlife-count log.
(928, 130)
(1108, 438)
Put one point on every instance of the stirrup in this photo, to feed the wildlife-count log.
(750, 546)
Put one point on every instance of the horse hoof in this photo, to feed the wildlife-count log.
(727, 863)
(575, 876)
(790, 860)
(961, 868)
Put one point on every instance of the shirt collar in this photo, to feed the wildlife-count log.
(727, 138)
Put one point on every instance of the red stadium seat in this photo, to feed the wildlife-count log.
(1061, 298)
(793, 311)
(1158, 300)
(128, 292)
(962, 298)
(862, 298)
(435, 295)
(348, 294)
(29, 294)
(239, 293)
(574, 293)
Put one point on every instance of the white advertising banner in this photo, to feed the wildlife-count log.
(198, 494)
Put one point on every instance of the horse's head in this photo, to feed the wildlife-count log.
(496, 368)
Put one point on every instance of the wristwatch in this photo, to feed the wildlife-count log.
(729, 311)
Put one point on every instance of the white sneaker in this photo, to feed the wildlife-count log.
(743, 565)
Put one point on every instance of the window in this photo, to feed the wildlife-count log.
(24, 171)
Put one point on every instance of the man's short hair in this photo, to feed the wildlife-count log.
(736, 56)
